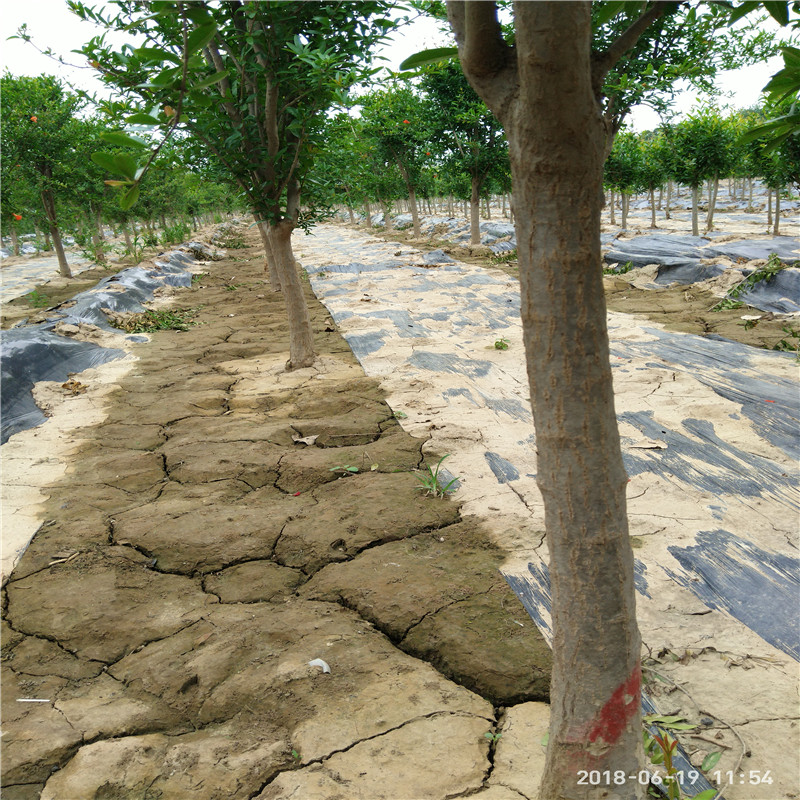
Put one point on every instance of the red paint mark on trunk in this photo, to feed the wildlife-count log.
(615, 715)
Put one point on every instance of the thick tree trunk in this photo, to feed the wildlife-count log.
(269, 260)
(557, 149)
(712, 202)
(301, 339)
(49, 203)
(777, 225)
(695, 204)
(475, 210)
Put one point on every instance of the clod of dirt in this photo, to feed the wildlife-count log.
(253, 582)
(102, 606)
(378, 508)
(441, 597)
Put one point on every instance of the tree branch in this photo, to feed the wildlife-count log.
(488, 62)
(603, 61)
(482, 49)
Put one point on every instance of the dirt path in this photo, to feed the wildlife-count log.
(195, 557)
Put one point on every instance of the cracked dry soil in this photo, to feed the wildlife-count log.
(195, 558)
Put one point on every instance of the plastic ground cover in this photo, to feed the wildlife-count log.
(33, 353)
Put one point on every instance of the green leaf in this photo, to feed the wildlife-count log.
(200, 37)
(433, 56)
(117, 183)
(708, 794)
(156, 54)
(125, 165)
(122, 139)
(130, 197)
(104, 160)
(710, 761)
(143, 119)
(608, 11)
(778, 11)
(545, 739)
(210, 81)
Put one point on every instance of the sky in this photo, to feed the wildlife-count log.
(52, 25)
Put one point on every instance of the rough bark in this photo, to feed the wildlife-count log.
(269, 260)
(713, 188)
(98, 238)
(301, 340)
(557, 143)
(475, 211)
(49, 203)
(695, 204)
(769, 209)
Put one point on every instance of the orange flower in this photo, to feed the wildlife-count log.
(17, 217)
(406, 122)
(34, 119)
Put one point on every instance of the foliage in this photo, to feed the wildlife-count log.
(468, 137)
(249, 80)
(790, 344)
(430, 480)
(704, 146)
(765, 274)
(150, 320)
(37, 299)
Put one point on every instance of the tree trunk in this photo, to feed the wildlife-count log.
(488, 208)
(412, 204)
(769, 209)
(269, 260)
(97, 238)
(385, 208)
(557, 151)
(668, 210)
(475, 210)
(712, 202)
(750, 194)
(301, 339)
(625, 200)
(368, 213)
(776, 227)
(14, 240)
(127, 234)
(450, 207)
(613, 219)
(695, 203)
(49, 203)
(653, 208)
